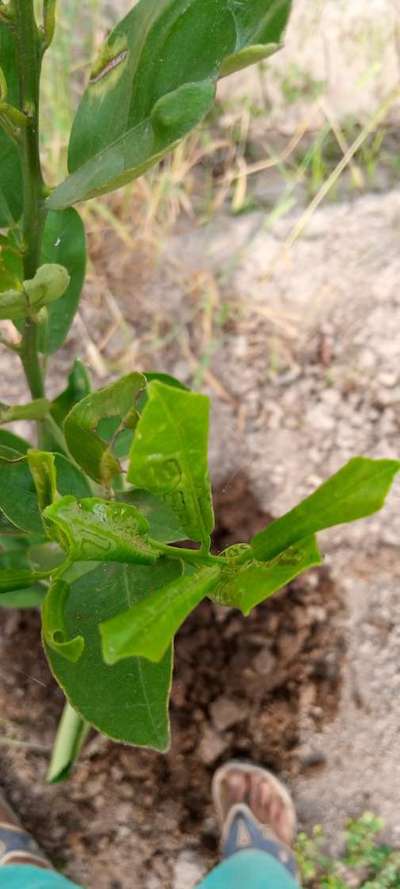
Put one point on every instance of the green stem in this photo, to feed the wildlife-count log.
(29, 51)
(30, 359)
(192, 556)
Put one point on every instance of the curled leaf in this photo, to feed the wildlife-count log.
(245, 585)
(43, 469)
(95, 530)
(48, 285)
(53, 621)
(50, 282)
(89, 443)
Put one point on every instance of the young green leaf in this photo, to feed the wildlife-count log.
(246, 585)
(53, 474)
(95, 530)
(155, 79)
(129, 701)
(88, 447)
(356, 491)
(169, 456)
(10, 165)
(78, 387)
(43, 470)
(48, 285)
(148, 628)
(63, 243)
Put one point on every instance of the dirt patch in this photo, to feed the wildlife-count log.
(242, 689)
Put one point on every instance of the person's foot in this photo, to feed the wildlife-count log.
(16, 845)
(255, 811)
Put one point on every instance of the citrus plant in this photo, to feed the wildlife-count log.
(106, 519)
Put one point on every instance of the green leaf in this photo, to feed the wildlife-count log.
(10, 166)
(10, 440)
(78, 387)
(18, 498)
(7, 528)
(147, 629)
(18, 495)
(91, 450)
(245, 586)
(139, 148)
(163, 522)
(129, 701)
(169, 456)
(155, 79)
(46, 556)
(55, 635)
(15, 566)
(70, 479)
(356, 491)
(95, 530)
(63, 243)
(160, 378)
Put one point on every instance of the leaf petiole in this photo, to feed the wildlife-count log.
(191, 556)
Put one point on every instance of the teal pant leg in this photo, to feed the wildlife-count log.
(249, 869)
(27, 877)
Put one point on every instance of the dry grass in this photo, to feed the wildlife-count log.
(235, 162)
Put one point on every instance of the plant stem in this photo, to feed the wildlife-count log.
(192, 556)
(30, 359)
(29, 51)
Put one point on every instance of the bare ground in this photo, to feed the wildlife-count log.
(300, 351)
